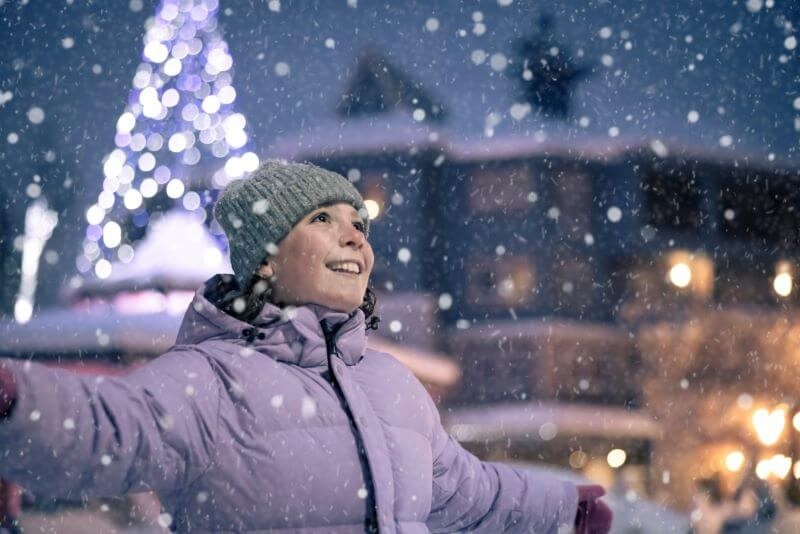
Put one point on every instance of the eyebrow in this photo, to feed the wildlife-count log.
(324, 209)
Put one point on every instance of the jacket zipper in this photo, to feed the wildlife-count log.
(371, 522)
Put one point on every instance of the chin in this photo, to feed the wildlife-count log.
(342, 305)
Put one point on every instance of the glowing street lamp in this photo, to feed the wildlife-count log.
(680, 274)
(373, 208)
(616, 458)
(782, 284)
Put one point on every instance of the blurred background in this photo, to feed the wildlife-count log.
(586, 216)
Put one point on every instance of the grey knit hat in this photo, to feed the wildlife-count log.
(257, 212)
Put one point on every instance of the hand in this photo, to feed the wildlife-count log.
(8, 392)
(594, 516)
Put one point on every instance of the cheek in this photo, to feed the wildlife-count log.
(370, 257)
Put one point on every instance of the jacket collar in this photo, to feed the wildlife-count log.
(291, 335)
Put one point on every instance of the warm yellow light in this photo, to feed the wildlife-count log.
(769, 425)
(373, 208)
(780, 465)
(734, 461)
(796, 421)
(763, 469)
(680, 274)
(782, 284)
(616, 457)
(578, 459)
(796, 470)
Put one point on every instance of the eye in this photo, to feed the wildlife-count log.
(321, 216)
(360, 226)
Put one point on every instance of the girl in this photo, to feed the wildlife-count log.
(269, 414)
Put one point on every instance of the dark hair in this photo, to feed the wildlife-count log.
(246, 304)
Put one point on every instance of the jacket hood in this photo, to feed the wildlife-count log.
(293, 335)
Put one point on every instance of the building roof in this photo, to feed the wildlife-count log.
(103, 329)
(525, 420)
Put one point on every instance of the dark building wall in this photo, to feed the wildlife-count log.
(552, 262)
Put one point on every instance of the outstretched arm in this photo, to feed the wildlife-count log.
(475, 496)
(67, 435)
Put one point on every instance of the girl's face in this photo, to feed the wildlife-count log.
(325, 259)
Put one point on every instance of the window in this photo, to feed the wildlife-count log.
(760, 207)
(500, 189)
(574, 198)
(740, 283)
(572, 289)
(505, 282)
(672, 199)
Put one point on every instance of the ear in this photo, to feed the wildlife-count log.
(265, 270)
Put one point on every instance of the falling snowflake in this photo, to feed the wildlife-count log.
(308, 409)
(36, 115)
(498, 62)
(164, 520)
(478, 56)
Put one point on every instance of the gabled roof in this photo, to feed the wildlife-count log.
(378, 86)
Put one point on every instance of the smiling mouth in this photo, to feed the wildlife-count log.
(350, 268)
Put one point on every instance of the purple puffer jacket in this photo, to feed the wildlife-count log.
(288, 426)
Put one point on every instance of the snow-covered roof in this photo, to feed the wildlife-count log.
(540, 328)
(103, 329)
(430, 367)
(714, 80)
(59, 331)
(385, 133)
(178, 252)
(523, 421)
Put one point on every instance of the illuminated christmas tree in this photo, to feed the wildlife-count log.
(178, 141)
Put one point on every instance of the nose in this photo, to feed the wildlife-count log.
(352, 238)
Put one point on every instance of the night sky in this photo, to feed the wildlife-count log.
(716, 78)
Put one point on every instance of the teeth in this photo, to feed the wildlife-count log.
(347, 267)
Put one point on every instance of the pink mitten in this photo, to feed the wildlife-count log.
(8, 392)
(594, 516)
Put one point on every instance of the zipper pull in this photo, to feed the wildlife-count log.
(327, 330)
